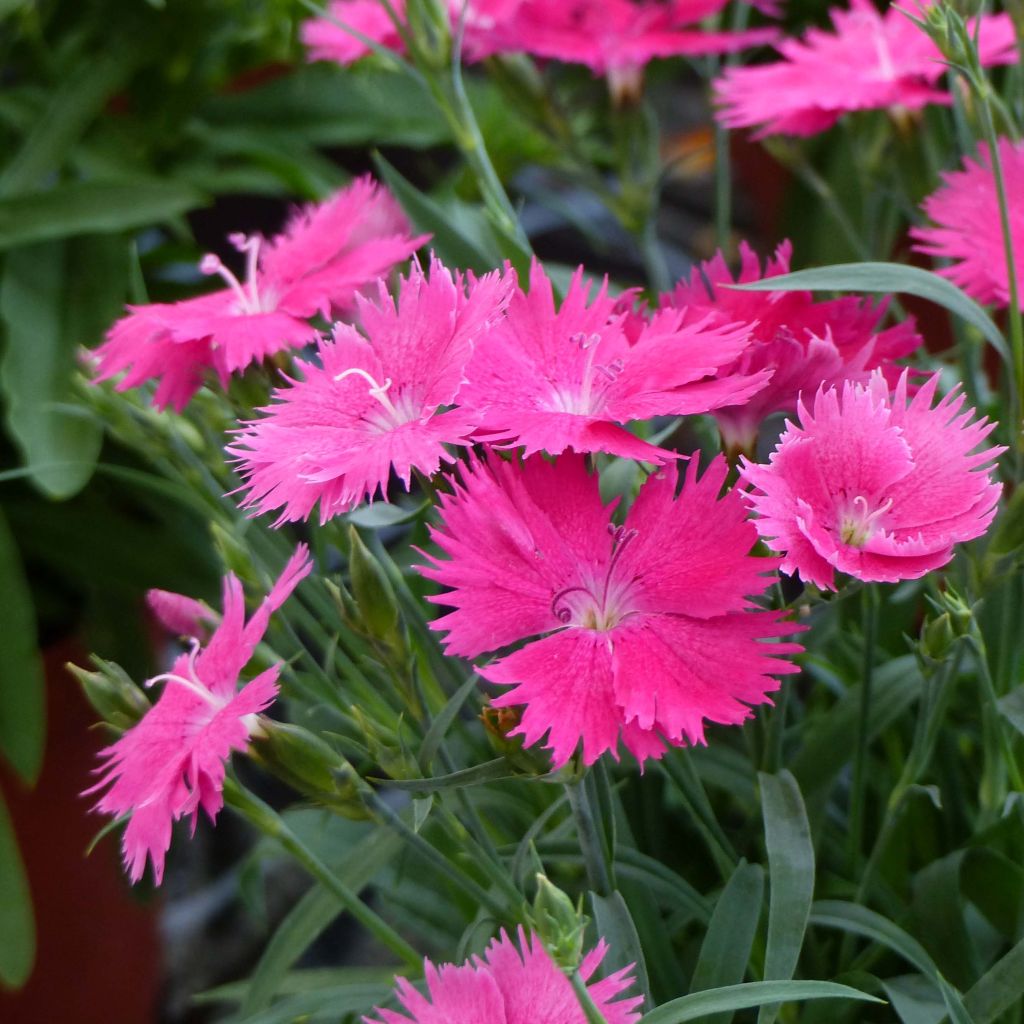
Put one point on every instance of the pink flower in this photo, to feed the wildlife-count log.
(969, 231)
(645, 630)
(177, 613)
(880, 489)
(316, 266)
(802, 342)
(172, 762)
(552, 379)
(511, 984)
(870, 61)
(374, 404)
(618, 38)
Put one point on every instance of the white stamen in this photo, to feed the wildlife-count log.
(377, 391)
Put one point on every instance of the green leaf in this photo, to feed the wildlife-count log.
(489, 771)
(440, 725)
(888, 278)
(17, 927)
(382, 514)
(1011, 707)
(791, 877)
(58, 440)
(454, 246)
(742, 997)
(93, 207)
(730, 936)
(73, 105)
(312, 914)
(615, 925)
(915, 999)
(22, 683)
(998, 989)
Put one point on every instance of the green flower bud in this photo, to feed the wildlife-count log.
(111, 692)
(373, 594)
(559, 923)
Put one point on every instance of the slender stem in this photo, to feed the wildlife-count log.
(270, 823)
(996, 726)
(590, 1011)
(858, 796)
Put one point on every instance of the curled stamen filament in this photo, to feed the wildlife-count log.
(564, 613)
(193, 683)
(376, 391)
(861, 504)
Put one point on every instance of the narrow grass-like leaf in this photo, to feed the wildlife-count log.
(17, 926)
(615, 925)
(699, 1005)
(888, 279)
(998, 989)
(489, 771)
(791, 877)
(440, 725)
(726, 948)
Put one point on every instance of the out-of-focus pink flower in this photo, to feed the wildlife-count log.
(618, 38)
(645, 631)
(172, 762)
(511, 984)
(552, 379)
(969, 230)
(880, 489)
(870, 61)
(803, 343)
(316, 265)
(374, 404)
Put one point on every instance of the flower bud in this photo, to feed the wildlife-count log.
(111, 692)
(559, 923)
(937, 637)
(309, 765)
(374, 596)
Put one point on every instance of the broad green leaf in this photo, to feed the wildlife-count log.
(382, 514)
(939, 918)
(17, 926)
(730, 936)
(915, 999)
(1011, 707)
(308, 979)
(22, 683)
(58, 440)
(322, 105)
(790, 874)
(998, 989)
(92, 207)
(326, 1004)
(454, 246)
(888, 279)
(698, 1005)
(995, 885)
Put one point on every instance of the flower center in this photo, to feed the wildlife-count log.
(582, 400)
(602, 605)
(858, 524)
(249, 299)
(391, 414)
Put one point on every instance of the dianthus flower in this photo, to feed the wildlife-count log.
(875, 487)
(511, 984)
(618, 38)
(802, 342)
(870, 61)
(172, 762)
(374, 404)
(317, 265)
(552, 379)
(644, 631)
(969, 230)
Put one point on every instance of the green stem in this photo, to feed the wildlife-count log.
(270, 823)
(600, 870)
(858, 796)
(590, 1011)
(996, 732)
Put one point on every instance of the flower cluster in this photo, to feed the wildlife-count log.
(614, 38)
(870, 61)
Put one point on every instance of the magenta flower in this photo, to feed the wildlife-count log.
(644, 631)
(969, 231)
(374, 405)
(172, 762)
(511, 984)
(316, 266)
(880, 489)
(870, 61)
(618, 38)
(802, 342)
(552, 379)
